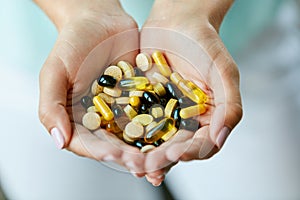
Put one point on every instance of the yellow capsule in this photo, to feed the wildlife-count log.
(114, 71)
(143, 61)
(130, 112)
(160, 78)
(192, 91)
(134, 101)
(161, 63)
(192, 111)
(175, 78)
(143, 119)
(159, 89)
(96, 88)
(126, 68)
(134, 83)
(162, 128)
(103, 108)
(170, 107)
(170, 134)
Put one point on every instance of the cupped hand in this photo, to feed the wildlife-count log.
(188, 35)
(92, 34)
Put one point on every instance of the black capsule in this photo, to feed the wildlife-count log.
(173, 91)
(158, 142)
(86, 102)
(143, 109)
(138, 71)
(150, 98)
(189, 124)
(107, 81)
(120, 117)
(139, 143)
(163, 101)
(185, 102)
(176, 117)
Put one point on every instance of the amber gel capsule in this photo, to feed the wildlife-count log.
(162, 128)
(133, 83)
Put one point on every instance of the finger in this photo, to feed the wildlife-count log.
(155, 181)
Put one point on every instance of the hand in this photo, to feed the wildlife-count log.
(188, 33)
(91, 35)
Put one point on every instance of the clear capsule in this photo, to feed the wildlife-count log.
(162, 128)
(133, 83)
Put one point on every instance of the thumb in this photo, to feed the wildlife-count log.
(53, 98)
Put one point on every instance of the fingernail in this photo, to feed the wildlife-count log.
(108, 158)
(223, 134)
(58, 138)
(157, 184)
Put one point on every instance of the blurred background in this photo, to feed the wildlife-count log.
(260, 160)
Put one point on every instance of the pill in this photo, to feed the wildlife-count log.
(108, 99)
(103, 122)
(143, 119)
(127, 139)
(192, 91)
(133, 83)
(176, 117)
(139, 143)
(160, 78)
(134, 130)
(173, 91)
(170, 107)
(158, 142)
(138, 71)
(107, 81)
(163, 101)
(122, 100)
(147, 148)
(189, 124)
(114, 92)
(92, 109)
(192, 111)
(134, 101)
(114, 71)
(113, 127)
(86, 102)
(143, 109)
(157, 111)
(126, 68)
(143, 61)
(159, 89)
(91, 121)
(103, 108)
(161, 63)
(175, 78)
(130, 112)
(169, 134)
(150, 98)
(157, 132)
(149, 88)
(125, 93)
(120, 116)
(96, 88)
(150, 126)
(185, 102)
(136, 93)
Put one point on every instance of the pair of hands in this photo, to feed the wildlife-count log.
(172, 25)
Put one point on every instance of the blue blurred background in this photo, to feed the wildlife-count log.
(259, 161)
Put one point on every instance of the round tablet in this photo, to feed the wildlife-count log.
(134, 130)
(91, 121)
(114, 71)
(143, 61)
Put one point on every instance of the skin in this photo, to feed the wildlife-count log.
(82, 25)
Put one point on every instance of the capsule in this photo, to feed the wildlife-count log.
(139, 143)
(192, 111)
(185, 102)
(86, 102)
(175, 78)
(189, 124)
(162, 128)
(176, 117)
(192, 91)
(158, 142)
(120, 116)
(161, 63)
(159, 89)
(103, 108)
(138, 71)
(170, 107)
(125, 93)
(169, 134)
(107, 81)
(134, 101)
(150, 98)
(159, 78)
(113, 127)
(143, 109)
(173, 91)
(133, 83)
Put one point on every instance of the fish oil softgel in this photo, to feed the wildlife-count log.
(124, 102)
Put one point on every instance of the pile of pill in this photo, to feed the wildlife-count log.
(141, 112)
